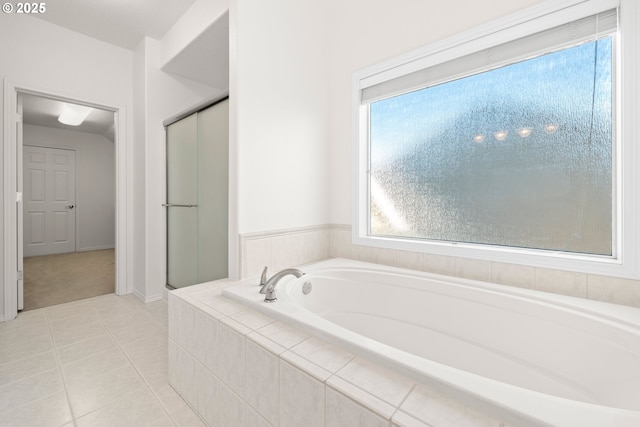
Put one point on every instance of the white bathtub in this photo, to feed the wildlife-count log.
(529, 357)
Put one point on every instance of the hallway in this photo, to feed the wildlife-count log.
(101, 361)
(62, 278)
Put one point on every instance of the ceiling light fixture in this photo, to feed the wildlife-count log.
(74, 115)
(551, 128)
(524, 132)
(479, 138)
(501, 135)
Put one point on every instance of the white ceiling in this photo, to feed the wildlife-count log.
(206, 58)
(41, 111)
(124, 23)
(120, 22)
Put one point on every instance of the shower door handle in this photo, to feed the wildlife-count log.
(172, 205)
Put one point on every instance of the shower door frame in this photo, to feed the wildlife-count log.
(231, 227)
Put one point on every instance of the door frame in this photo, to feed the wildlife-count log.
(12, 148)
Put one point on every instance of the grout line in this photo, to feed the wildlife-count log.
(59, 368)
(402, 403)
(142, 377)
(109, 333)
(54, 348)
(31, 401)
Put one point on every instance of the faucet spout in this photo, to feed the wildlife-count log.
(269, 288)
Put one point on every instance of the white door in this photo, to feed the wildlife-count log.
(49, 201)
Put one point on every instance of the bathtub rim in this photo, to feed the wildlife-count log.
(511, 403)
(616, 313)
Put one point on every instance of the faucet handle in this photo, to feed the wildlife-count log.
(263, 277)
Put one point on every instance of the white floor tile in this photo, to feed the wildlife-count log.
(85, 348)
(167, 396)
(131, 410)
(14, 350)
(154, 370)
(25, 332)
(125, 308)
(77, 332)
(95, 362)
(103, 389)
(83, 370)
(126, 320)
(159, 311)
(146, 350)
(137, 331)
(104, 301)
(26, 367)
(164, 421)
(185, 417)
(26, 319)
(50, 411)
(30, 389)
(75, 308)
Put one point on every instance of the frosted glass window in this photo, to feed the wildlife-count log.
(519, 156)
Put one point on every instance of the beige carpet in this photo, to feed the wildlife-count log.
(56, 279)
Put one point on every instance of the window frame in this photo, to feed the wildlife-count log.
(626, 250)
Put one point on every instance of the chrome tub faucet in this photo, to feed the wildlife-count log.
(268, 287)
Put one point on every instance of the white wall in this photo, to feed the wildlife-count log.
(291, 84)
(49, 58)
(190, 25)
(279, 91)
(292, 62)
(95, 182)
(139, 173)
(366, 32)
(162, 96)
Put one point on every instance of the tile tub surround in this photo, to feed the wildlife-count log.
(285, 248)
(590, 286)
(237, 367)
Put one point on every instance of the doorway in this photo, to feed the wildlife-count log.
(68, 227)
(12, 192)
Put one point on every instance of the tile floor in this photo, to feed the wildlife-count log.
(101, 361)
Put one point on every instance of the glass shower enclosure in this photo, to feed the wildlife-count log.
(197, 197)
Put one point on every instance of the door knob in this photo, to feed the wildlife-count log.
(70, 206)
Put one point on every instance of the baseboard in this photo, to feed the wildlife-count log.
(147, 300)
(138, 295)
(153, 298)
(95, 248)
